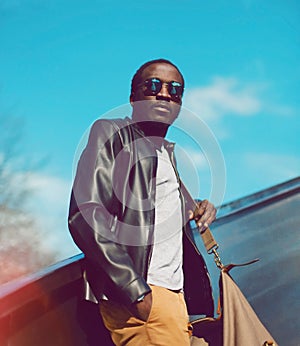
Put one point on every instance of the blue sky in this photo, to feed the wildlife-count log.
(65, 63)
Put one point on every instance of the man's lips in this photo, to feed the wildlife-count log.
(162, 107)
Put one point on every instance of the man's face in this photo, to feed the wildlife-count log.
(161, 107)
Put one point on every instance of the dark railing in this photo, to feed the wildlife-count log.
(47, 308)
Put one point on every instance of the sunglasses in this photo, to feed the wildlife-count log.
(153, 87)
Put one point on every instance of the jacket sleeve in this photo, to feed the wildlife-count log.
(93, 210)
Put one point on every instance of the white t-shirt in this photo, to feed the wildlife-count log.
(165, 268)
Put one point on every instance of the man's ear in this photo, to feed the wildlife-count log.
(131, 98)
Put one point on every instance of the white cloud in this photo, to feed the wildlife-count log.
(48, 203)
(282, 110)
(230, 96)
(191, 156)
(53, 190)
(273, 166)
(224, 96)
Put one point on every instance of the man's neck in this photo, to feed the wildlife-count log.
(153, 129)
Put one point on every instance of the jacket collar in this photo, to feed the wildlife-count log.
(168, 145)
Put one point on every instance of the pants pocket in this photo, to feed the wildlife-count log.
(116, 316)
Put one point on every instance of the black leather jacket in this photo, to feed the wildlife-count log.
(111, 216)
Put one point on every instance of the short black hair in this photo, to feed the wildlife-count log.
(137, 78)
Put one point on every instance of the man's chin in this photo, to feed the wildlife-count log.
(161, 117)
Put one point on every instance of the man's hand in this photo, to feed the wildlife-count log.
(142, 309)
(204, 214)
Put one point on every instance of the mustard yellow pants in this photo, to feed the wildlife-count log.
(167, 324)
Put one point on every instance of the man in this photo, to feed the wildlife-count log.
(129, 214)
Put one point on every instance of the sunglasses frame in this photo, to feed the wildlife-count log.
(149, 82)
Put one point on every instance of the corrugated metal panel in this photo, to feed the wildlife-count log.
(266, 226)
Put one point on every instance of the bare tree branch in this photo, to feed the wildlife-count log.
(21, 250)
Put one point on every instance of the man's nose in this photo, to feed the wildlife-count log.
(164, 92)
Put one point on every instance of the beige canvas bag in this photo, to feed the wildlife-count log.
(237, 323)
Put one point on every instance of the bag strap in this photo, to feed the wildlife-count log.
(211, 247)
(209, 241)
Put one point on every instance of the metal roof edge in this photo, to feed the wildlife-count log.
(274, 192)
(19, 283)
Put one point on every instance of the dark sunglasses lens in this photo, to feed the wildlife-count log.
(175, 89)
(153, 86)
